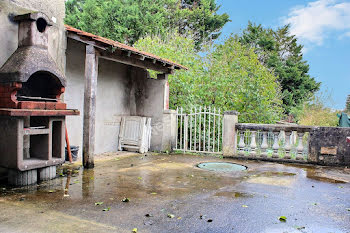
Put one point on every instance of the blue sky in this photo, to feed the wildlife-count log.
(322, 26)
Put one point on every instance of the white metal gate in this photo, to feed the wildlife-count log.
(199, 131)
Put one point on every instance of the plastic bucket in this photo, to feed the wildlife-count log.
(74, 151)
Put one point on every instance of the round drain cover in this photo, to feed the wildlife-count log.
(222, 166)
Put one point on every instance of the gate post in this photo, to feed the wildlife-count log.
(229, 133)
(169, 130)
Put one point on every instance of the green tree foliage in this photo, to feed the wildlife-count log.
(128, 20)
(347, 105)
(228, 76)
(316, 113)
(279, 52)
(182, 50)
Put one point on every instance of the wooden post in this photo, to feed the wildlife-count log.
(91, 73)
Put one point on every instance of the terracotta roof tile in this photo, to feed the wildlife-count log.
(123, 46)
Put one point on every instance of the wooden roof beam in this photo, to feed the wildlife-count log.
(135, 61)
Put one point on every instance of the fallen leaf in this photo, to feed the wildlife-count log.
(134, 230)
(341, 187)
(99, 203)
(179, 218)
(66, 195)
(125, 199)
(171, 216)
(315, 203)
(282, 218)
(348, 209)
(140, 178)
(244, 206)
(153, 193)
(51, 191)
(106, 209)
(148, 215)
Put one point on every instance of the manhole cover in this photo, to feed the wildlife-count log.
(222, 167)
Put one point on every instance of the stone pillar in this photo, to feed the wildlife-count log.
(229, 133)
(19, 178)
(169, 130)
(47, 173)
(91, 73)
(165, 83)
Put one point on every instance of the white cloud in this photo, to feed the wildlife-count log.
(315, 21)
(347, 34)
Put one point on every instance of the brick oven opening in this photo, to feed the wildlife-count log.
(41, 86)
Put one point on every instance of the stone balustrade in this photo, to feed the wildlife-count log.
(278, 142)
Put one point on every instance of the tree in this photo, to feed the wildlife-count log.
(182, 50)
(279, 52)
(316, 113)
(228, 76)
(128, 20)
(347, 105)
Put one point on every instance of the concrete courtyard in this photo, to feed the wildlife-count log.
(168, 193)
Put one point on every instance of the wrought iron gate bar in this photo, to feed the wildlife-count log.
(199, 130)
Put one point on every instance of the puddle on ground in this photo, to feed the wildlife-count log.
(278, 174)
(314, 174)
(271, 181)
(232, 194)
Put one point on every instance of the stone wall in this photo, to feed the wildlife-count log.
(55, 10)
(328, 146)
(288, 143)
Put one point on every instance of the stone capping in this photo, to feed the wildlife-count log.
(274, 128)
(33, 16)
(169, 111)
(231, 113)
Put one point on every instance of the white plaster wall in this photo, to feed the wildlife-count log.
(112, 102)
(74, 94)
(112, 99)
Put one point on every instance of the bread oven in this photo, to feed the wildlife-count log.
(32, 113)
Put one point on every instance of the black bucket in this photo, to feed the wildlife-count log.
(74, 151)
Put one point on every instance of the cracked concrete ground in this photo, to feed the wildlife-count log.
(168, 193)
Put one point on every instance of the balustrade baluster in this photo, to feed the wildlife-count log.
(275, 145)
(264, 145)
(253, 143)
(287, 145)
(241, 143)
(300, 148)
